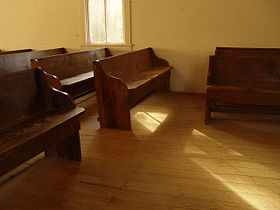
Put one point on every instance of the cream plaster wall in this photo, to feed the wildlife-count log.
(185, 32)
(39, 24)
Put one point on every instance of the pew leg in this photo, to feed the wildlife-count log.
(163, 84)
(166, 86)
(119, 119)
(69, 148)
(207, 111)
(124, 123)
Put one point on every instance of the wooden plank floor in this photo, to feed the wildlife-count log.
(171, 160)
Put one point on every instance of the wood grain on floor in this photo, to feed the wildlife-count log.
(170, 160)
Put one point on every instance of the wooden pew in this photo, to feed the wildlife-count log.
(243, 84)
(123, 80)
(35, 118)
(73, 70)
(239, 51)
(21, 61)
(15, 51)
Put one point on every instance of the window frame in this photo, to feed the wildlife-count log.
(126, 21)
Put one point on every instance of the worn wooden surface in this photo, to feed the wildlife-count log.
(240, 80)
(73, 70)
(123, 80)
(35, 117)
(171, 160)
(15, 51)
(21, 61)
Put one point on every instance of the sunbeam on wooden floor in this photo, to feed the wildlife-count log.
(170, 160)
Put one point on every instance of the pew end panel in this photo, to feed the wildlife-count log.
(112, 101)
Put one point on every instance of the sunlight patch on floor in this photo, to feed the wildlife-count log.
(191, 149)
(227, 150)
(255, 195)
(150, 120)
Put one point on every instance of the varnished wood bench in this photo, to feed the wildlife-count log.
(21, 61)
(247, 52)
(122, 80)
(73, 70)
(35, 118)
(243, 84)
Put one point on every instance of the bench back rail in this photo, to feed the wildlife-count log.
(239, 51)
(70, 64)
(129, 65)
(244, 71)
(21, 61)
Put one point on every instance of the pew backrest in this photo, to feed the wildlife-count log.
(244, 71)
(129, 65)
(21, 97)
(239, 51)
(21, 61)
(70, 64)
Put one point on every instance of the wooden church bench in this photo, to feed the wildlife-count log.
(21, 61)
(240, 51)
(243, 84)
(35, 118)
(73, 70)
(15, 51)
(122, 80)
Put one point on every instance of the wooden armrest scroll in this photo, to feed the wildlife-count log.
(52, 79)
(56, 99)
(34, 63)
(156, 60)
